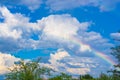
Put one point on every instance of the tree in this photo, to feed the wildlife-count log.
(105, 77)
(62, 76)
(86, 77)
(30, 70)
(116, 53)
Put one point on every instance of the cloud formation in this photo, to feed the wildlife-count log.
(62, 26)
(62, 61)
(19, 30)
(31, 4)
(59, 5)
(6, 61)
(103, 5)
(115, 36)
(15, 30)
(54, 31)
(59, 62)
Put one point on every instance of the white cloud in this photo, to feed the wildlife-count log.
(104, 5)
(4, 29)
(32, 4)
(60, 54)
(55, 58)
(62, 5)
(84, 48)
(16, 23)
(62, 61)
(6, 61)
(94, 40)
(54, 31)
(5, 32)
(79, 71)
(62, 26)
(57, 64)
(16, 30)
(58, 5)
(115, 35)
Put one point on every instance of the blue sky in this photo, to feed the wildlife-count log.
(49, 29)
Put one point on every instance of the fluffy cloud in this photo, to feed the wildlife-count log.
(15, 24)
(59, 60)
(15, 30)
(6, 61)
(76, 65)
(65, 28)
(79, 71)
(115, 35)
(92, 38)
(62, 26)
(104, 5)
(55, 58)
(54, 31)
(60, 54)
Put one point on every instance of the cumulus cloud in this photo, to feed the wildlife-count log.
(92, 38)
(115, 36)
(15, 30)
(57, 63)
(62, 26)
(65, 28)
(103, 5)
(55, 58)
(14, 22)
(6, 61)
(75, 65)
(54, 31)
(60, 54)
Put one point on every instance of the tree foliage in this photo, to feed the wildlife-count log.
(62, 76)
(30, 70)
(116, 54)
(86, 77)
